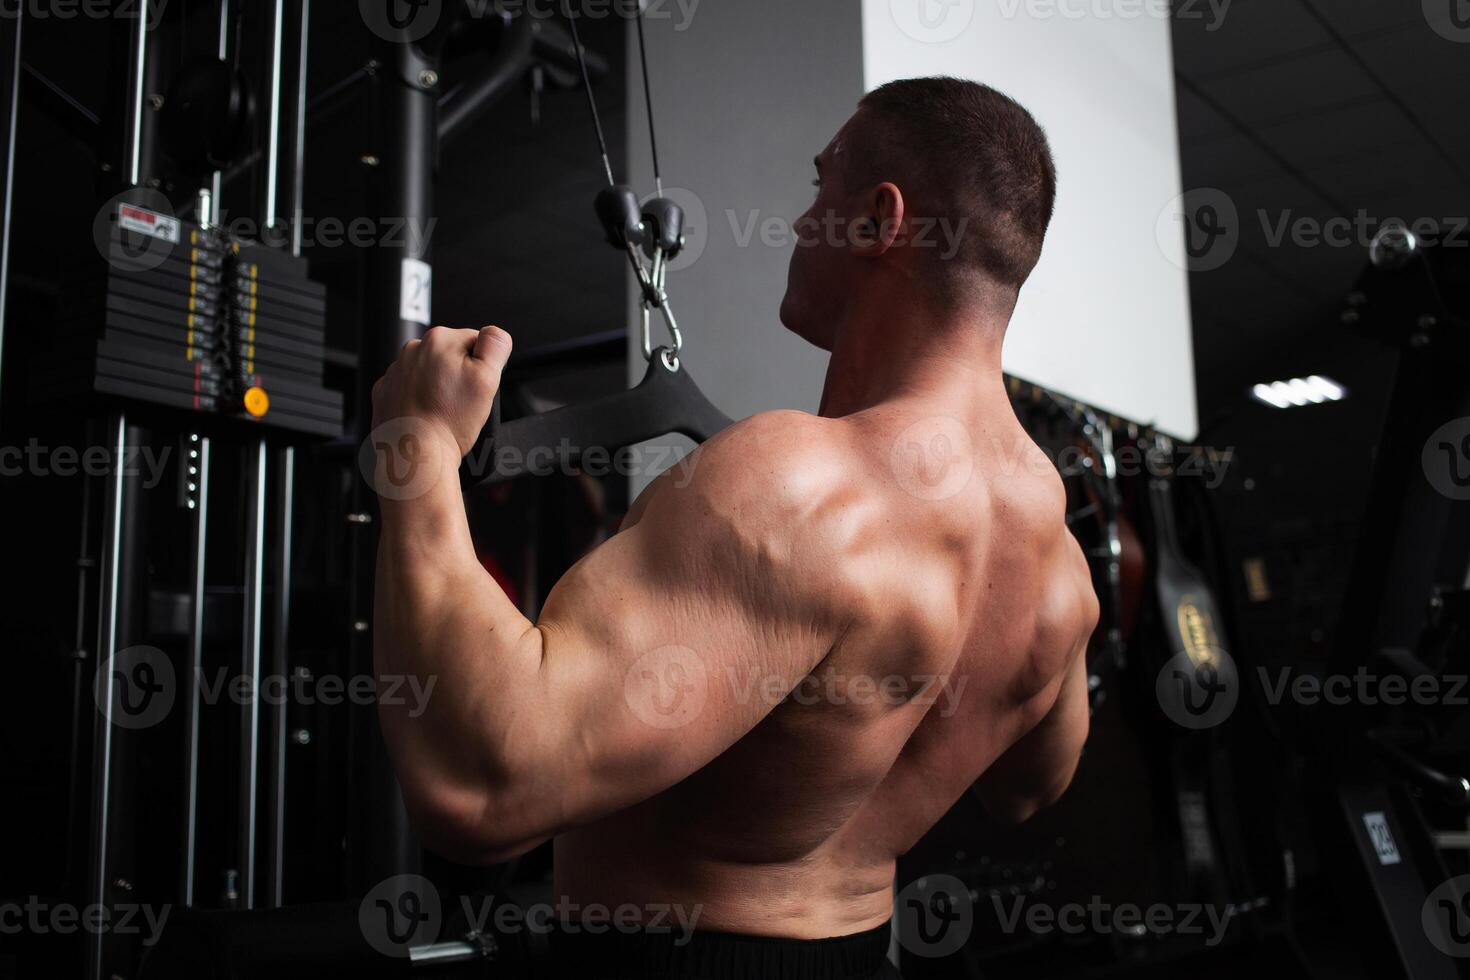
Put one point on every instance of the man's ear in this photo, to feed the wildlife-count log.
(882, 224)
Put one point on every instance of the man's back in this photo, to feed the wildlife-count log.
(802, 647)
(971, 606)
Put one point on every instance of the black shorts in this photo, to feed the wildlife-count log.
(614, 955)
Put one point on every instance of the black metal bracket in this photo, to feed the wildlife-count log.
(666, 401)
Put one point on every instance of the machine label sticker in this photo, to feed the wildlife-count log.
(1382, 837)
(417, 286)
(145, 222)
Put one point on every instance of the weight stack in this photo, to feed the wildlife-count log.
(181, 317)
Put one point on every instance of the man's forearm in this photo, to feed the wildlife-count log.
(441, 618)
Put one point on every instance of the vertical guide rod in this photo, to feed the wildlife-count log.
(216, 181)
(280, 665)
(298, 175)
(224, 29)
(280, 652)
(112, 543)
(210, 214)
(75, 789)
(195, 667)
(7, 198)
(250, 670)
(273, 136)
(136, 82)
(249, 773)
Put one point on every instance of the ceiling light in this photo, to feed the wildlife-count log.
(1298, 392)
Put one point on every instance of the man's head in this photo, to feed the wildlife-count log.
(937, 187)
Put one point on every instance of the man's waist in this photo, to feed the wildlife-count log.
(689, 886)
(579, 950)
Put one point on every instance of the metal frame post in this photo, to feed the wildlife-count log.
(409, 144)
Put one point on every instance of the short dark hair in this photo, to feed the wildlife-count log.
(969, 152)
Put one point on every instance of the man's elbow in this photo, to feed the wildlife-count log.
(1011, 811)
(1014, 810)
(477, 800)
(1013, 807)
(468, 812)
(472, 827)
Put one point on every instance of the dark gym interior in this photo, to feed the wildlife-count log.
(181, 173)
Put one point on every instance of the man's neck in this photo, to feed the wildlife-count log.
(881, 359)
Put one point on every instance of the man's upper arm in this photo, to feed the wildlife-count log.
(674, 639)
(1037, 769)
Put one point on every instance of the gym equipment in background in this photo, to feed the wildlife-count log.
(667, 400)
(191, 318)
(181, 336)
(1393, 796)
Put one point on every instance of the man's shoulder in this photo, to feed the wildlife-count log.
(780, 489)
(780, 436)
(774, 460)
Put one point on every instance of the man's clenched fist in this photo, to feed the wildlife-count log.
(447, 381)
